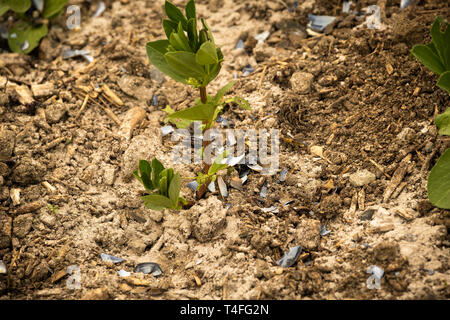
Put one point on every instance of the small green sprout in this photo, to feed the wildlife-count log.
(52, 208)
(161, 184)
(30, 23)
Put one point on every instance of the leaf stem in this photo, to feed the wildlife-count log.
(203, 96)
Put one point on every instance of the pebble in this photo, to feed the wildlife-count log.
(22, 225)
(361, 178)
(55, 112)
(301, 82)
(7, 140)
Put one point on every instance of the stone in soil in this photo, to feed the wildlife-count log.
(361, 178)
(5, 230)
(55, 112)
(22, 225)
(301, 82)
(7, 141)
(210, 216)
(307, 234)
(28, 171)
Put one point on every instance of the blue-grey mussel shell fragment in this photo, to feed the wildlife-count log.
(289, 259)
(109, 258)
(149, 268)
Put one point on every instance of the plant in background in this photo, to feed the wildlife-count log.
(161, 184)
(30, 21)
(436, 54)
(191, 57)
(436, 57)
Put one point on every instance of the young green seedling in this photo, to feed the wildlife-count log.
(191, 57)
(30, 23)
(436, 54)
(436, 57)
(161, 184)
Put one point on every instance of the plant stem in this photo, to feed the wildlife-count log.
(203, 96)
(202, 190)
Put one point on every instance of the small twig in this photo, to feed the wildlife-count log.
(83, 106)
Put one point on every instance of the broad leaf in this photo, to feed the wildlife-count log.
(443, 122)
(179, 42)
(198, 112)
(157, 202)
(18, 5)
(218, 164)
(163, 185)
(169, 27)
(53, 8)
(156, 51)
(157, 168)
(180, 123)
(429, 58)
(441, 41)
(175, 14)
(23, 37)
(444, 81)
(192, 34)
(207, 54)
(184, 63)
(219, 95)
(146, 171)
(242, 103)
(3, 9)
(174, 189)
(190, 10)
(439, 182)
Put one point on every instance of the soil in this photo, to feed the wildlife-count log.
(355, 113)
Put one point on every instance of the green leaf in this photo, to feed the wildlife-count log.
(156, 51)
(197, 112)
(179, 41)
(175, 14)
(174, 189)
(146, 170)
(219, 95)
(3, 9)
(169, 27)
(443, 122)
(180, 123)
(208, 30)
(242, 103)
(26, 37)
(18, 5)
(444, 81)
(157, 168)
(157, 202)
(439, 182)
(207, 54)
(53, 8)
(218, 165)
(192, 34)
(441, 41)
(429, 58)
(190, 10)
(184, 63)
(163, 185)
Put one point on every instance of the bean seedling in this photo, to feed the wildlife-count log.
(161, 184)
(436, 57)
(30, 21)
(191, 57)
